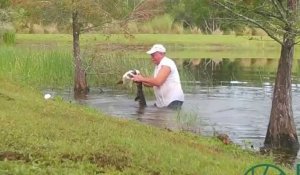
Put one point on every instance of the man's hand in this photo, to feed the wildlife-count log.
(161, 77)
(137, 78)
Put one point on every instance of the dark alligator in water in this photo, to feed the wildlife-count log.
(140, 97)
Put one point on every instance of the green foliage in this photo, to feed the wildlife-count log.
(95, 13)
(49, 64)
(106, 69)
(4, 17)
(273, 17)
(7, 32)
(199, 13)
(43, 68)
(202, 14)
(4, 3)
(188, 121)
(9, 38)
(160, 24)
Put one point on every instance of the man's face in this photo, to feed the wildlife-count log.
(156, 57)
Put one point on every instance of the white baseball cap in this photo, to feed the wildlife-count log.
(156, 48)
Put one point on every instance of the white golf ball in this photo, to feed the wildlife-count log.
(47, 96)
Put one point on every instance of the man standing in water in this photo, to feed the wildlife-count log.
(165, 82)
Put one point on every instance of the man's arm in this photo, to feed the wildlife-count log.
(161, 77)
(147, 85)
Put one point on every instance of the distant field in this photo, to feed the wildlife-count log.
(185, 39)
(179, 46)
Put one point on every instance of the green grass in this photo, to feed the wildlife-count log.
(46, 59)
(176, 39)
(9, 38)
(42, 67)
(56, 137)
(53, 67)
(178, 45)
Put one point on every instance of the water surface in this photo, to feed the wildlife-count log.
(231, 96)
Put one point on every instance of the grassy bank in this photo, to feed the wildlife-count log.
(56, 137)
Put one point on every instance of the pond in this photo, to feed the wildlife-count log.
(231, 96)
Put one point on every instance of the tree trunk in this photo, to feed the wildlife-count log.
(80, 86)
(281, 133)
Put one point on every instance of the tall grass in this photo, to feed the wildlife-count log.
(9, 38)
(188, 121)
(53, 68)
(52, 65)
(161, 24)
(38, 67)
(107, 69)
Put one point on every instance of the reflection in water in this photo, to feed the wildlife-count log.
(80, 96)
(252, 70)
(233, 97)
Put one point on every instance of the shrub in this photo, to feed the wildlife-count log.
(145, 28)
(9, 38)
(177, 28)
(258, 32)
(132, 27)
(159, 24)
(162, 24)
(217, 32)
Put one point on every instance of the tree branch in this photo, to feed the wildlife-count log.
(251, 21)
(261, 12)
(280, 9)
(297, 42)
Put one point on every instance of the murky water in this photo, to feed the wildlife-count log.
(228, 96)
(238, 110)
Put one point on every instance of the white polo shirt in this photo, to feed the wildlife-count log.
(171, 89)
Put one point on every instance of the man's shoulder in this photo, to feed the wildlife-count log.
(167, 60)
(169, 63)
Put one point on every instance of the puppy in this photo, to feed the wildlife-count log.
(127, 77)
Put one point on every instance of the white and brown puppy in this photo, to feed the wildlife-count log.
(127, 77)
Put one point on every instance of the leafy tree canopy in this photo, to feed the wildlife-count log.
(273, 16)
(4, 3)
(200, 13)
(96, 12)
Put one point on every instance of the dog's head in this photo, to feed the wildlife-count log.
(128, 75)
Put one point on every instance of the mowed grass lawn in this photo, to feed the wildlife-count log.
(178, 46)
(56, 137)
(182, 39)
